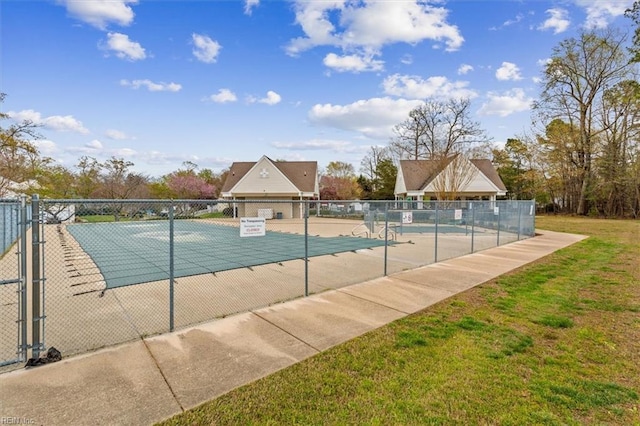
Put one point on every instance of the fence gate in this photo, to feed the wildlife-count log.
(14, 216)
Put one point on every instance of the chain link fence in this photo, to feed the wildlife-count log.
(15, 216)
(118, 270)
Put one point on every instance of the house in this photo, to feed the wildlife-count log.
(267, 180)
(453, 177)
(10, 189)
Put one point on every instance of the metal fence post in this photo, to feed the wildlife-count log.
(532, 209)
(386, 235)
(306, 249)
(436, 233)
(473, 225)
(23, 278)
(171, 268)
(519, 216)
(36, 344)
(498, 238)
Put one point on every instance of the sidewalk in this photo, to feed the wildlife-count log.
(150, 380)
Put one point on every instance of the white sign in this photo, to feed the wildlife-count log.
(407, 217)
(457, 215)
(496, 211)
(253, 226)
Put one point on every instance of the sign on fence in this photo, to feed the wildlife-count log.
(253, 226)
(407, 217)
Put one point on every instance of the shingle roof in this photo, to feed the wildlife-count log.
(487, 169)
(418, 174)
(236, 172)
(302, 174)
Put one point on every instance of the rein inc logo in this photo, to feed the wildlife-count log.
(14, 420)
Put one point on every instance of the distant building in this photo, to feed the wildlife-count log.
(424, 180)
(10, 189)
(267, 180)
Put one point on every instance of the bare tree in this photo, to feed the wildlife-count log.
(617, 186)
(634, 14)
(408, 137)
(371, 167)
(437, 129)
(370, 161)
(457, 172)
(576, 76)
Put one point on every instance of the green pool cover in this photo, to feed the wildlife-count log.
(129, 253)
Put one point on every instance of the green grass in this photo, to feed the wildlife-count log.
(96, 218)
(212, 215)
(111, 218)
(556, 342)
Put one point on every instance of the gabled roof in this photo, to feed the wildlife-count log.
(418, 174)
(487, 169)
(302, 174)
(236, 172)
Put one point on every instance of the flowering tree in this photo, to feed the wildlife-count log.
(189, 186)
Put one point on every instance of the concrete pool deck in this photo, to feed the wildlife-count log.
(154, 378)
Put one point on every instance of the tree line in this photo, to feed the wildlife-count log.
(580, 156)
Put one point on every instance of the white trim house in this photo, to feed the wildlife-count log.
(267, 180)
(419, 180)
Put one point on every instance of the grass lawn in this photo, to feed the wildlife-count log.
(555, 342)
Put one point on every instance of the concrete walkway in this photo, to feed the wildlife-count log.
(152, 379)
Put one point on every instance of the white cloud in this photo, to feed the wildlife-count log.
(66, 123)
(557, 21)
(407, 59)
(508, 71)
(513, 21)
(373, 118)
(100, 13)
(506, 103)
(315, 145)
(60, 123)
(371, 25)
(464, 69)
(125, 153)
(46, 146)
(26, 115)
(352, 63)
(123, 47)
(151, 86)
(249, 5)
(543, 62)
(414, 87)
(601, 12)
(94, 144)
(117, 135)
(205, 50)
(272, 98)
(223, 96)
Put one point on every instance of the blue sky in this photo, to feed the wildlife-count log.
(212, 82)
